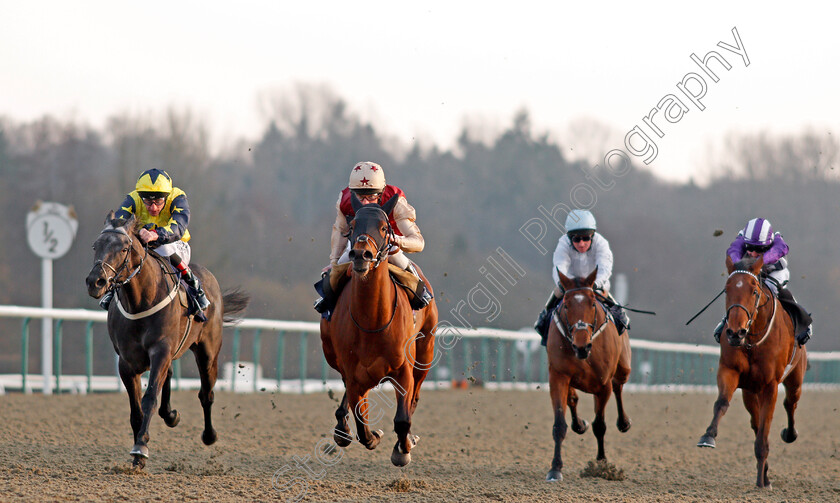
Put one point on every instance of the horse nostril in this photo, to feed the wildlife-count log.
(368, 255)
(352, 254)
(100, 282)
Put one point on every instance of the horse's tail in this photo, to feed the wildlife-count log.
(233, 303)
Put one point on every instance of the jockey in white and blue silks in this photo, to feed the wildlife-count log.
(758, 239)
(577, 254)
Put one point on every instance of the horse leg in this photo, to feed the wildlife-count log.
(599, 425)
(559, 390)
(342, 434)
(208, 370)
(622, 374)
(793, 391)
(727, 380)
(767, 404)
(169, 415)
(358, 403)
(131, 380)
(423, 358)
(579, 425)
(401, 455)
(159, 357)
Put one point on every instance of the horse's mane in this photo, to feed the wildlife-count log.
(745, 264)
(120, 222)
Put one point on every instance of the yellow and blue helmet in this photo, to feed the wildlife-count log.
(154, 183)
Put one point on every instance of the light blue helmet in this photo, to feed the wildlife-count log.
(580, 220)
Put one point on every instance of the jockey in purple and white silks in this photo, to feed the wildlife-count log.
(758, 239)
(577, 254)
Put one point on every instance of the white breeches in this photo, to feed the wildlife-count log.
(181, 248)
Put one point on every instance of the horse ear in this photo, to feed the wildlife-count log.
(109, 217)
(355, 202)
(590, 280)
(757, 265)
(565, 282)
(729, 265)
(389, 206)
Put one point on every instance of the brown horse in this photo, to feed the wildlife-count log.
(373, 335)
(149, 328)
(587, 354)
(759, 352)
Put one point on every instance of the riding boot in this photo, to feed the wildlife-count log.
(544, 319)
(800, 317)
(192, 281)
(105, 301)
(326, 302)
(622, 321)
(422, 296)
(719, 329)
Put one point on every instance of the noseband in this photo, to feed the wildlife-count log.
(752, 315)
(382, 248)
(568, 328)
(112, 281)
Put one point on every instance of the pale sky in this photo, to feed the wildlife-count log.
(424, 69)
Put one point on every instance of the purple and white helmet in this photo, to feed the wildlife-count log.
(758, 232)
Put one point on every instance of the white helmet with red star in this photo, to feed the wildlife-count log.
(367, 178)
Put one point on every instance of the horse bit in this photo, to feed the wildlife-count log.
(113, 279)
(580, 324)
(751, 315)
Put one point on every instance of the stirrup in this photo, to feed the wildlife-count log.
(804, 337)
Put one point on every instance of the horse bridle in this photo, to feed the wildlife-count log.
(580, 324)
(751, 315)
(382, 250)
(112, 281)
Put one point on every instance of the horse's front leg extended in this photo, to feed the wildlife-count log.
(559, 390)
(342, 434)
(358, 403)
(727, 381)
(131, 381)
(599, 425)
(579, 425)
(159, 358)
(767, 404)
(404, 389)
(170, 416)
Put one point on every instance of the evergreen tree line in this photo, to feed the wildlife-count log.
(262, 211)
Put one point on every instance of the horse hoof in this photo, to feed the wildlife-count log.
(706, 441)
(789, 434)
(623, 427)
(342, 439)
(139, 461)
(208, 436)
(554, 476)
(172, 419)
(580, 430)
(139, 451)
(376, 436)
(400, 458)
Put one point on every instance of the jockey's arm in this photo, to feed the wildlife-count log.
(604, 260)
(126, 209)
(338, 239)
(178, 222)
(405, 217)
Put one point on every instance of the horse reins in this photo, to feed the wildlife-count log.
(101, 263)
(567, 327)
(757, 307)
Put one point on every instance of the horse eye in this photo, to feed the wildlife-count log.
(125, 249)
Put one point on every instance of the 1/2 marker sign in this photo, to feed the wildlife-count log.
(50, 229)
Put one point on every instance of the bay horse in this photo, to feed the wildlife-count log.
(758, 353)
(374, 336)
(149, 329)
(587, 354)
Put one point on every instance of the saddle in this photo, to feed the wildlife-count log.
(331, 284)
(186, 293)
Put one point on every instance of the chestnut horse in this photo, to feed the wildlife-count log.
(373, 335)
(759, 352)
(587, 354)
(149, 328)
